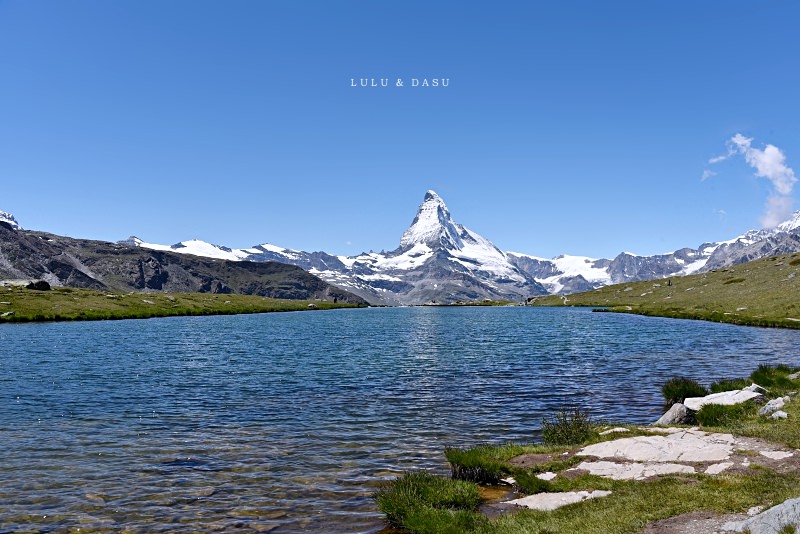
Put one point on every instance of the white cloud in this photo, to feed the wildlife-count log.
(769, 163)
(707, 174)
(778, 209)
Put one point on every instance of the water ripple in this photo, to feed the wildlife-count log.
(288, 422)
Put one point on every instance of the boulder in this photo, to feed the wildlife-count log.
(771, 521)
(756, 388)
(676, 415)
(773, 406)
(39, 285)
(780, 414)
(727, 398)
(794, 376)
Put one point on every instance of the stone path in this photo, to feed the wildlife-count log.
(668, 451)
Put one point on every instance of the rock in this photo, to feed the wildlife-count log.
(614, 431)
(551, 501)
(632, 471)
(312, 306)
(715, 469)
(727, 398)
(39, 285)
(676, 415)
(794, 376)
(780, 414)
(7, 314)
(777, 455)
(148, 301)
(684, 445)
(756, 388)
(549, 475)
(510, 480)
(773, 406)
(771, 521)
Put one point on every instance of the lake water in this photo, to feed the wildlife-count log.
(286, 422)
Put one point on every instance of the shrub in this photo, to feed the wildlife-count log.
(679, 388)
(423, 502)
(723, 415)
(729, 384)
(770, 376)
(569, 426)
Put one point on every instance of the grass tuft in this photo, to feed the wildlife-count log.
(772, 376)
(679, 388)
(570, 426)
(729, 384)
(724, 416)
(427, 503)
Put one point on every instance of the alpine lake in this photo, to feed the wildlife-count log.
(287, 422)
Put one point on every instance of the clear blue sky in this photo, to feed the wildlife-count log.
(567, 127)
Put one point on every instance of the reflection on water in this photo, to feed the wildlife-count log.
(287, 422)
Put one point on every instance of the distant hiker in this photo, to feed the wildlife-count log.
(669, 282)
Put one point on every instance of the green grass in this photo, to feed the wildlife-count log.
(719, 415)
(71, 304)
(679, 388)
(632, 505)
(759, 293)
(427, 503)
(729, 384)
(568, 427)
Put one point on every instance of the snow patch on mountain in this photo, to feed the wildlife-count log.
(443, 261)
(9, 219)
(432, 226)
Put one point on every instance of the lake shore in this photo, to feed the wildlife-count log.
(18, 305)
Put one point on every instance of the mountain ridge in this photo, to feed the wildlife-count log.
(441, 261)
(467, 266)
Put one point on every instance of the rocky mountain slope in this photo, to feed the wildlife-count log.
(439, 260)
(64, 261)
(443, 261)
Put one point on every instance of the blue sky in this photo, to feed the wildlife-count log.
(566, 127)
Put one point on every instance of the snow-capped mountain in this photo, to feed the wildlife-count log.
(439, 260)
(9, 219)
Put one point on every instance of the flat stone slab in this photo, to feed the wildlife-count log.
(551, 501)
(715, 469)
(683, 445)
(633, 470)
(777, 455)
(726, 398)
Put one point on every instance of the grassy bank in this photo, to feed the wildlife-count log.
(424, 503)
(759, 293)
(70, 304)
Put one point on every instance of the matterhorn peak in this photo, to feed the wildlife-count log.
(9, 219)
(432, 226)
